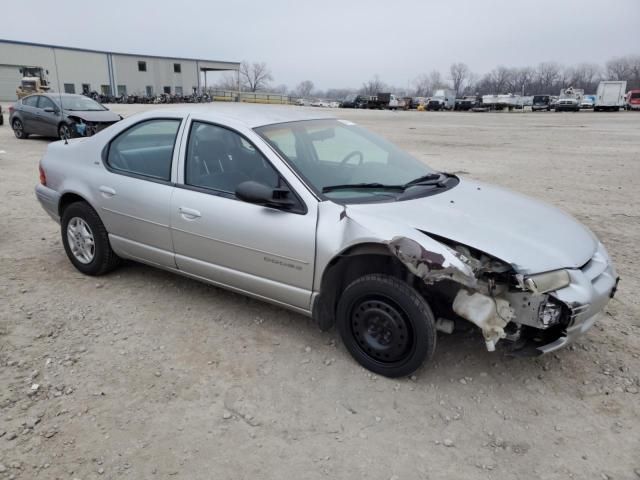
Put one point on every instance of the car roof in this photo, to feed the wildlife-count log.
(251, 116)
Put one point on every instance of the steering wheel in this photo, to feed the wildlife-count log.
(350, 156)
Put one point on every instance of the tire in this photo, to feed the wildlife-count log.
(65, 131)
(18, 129)
(386, 325)
(85, 219)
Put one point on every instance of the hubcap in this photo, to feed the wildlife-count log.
(64, 132)
(17, 127)
(81, 241)
(381, 330)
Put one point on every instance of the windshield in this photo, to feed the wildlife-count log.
(540, 98)
(635, 95)
(338, 153)
(81, 103)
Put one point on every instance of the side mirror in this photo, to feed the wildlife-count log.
(261, 194)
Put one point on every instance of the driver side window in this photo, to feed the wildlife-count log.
(45, 102)
(221, 159)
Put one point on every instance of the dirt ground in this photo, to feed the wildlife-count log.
(143, 374)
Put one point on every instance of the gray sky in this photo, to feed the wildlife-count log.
(340, 43)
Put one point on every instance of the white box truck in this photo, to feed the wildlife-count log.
(610, 96)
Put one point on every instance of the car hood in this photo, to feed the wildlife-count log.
(91, 116)
(530, 235)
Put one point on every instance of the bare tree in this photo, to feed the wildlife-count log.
(281, 89)
(547, 76)
(255, 76)
(304, 89)
(229, 81)
(585, 76)
(460, 76)
(618, 68)
(373, 86)
(425, 84)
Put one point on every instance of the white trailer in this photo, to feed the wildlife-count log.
(610, 95)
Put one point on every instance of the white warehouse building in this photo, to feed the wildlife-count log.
(78, 70)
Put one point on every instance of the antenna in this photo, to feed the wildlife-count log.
(55, 62)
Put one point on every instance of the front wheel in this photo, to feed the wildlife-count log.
(64, 132)
(386, 325)
(86, 241)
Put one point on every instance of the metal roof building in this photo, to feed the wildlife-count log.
(74, 70)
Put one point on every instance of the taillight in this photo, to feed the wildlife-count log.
(11, 109)
(43, 177)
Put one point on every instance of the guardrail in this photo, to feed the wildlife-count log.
(251, 97)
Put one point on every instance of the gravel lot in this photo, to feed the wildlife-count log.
(143, 374)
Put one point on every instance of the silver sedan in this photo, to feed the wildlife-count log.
(325, 218)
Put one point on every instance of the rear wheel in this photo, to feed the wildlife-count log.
(18, 129)
(386, 325)
(86, 241)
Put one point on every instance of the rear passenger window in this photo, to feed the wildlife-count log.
(145, 149)
(31, 101)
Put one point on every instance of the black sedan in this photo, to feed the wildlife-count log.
(59, 115)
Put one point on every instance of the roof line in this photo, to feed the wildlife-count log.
(77, 49)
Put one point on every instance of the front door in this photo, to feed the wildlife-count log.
(135, 191)
(263, 251)
(47, 122)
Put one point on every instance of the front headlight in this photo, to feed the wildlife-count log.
(547, 282)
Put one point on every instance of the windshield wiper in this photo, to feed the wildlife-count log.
(358, 186)
(425, 180)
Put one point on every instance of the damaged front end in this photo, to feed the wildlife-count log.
(536, 313)
(85, 128)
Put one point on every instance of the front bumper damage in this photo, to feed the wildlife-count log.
(534, 323)
(87, 129)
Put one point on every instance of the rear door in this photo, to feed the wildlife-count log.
(28, 109)
(135, 189)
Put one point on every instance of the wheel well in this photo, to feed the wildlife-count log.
(67, 199)
(348, 266)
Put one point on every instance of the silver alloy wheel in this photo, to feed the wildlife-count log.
(17, 128)
(64, 132)
(81, 241)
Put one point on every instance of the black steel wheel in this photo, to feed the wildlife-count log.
(381, 329)
(386, 325)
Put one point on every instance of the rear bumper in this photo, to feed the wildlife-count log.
(49, 199)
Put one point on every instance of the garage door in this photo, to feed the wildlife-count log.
(10, 78)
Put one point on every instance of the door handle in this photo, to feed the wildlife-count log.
(189, 213)
(107, 192)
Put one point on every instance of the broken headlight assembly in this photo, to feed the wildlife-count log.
(549, 313)
(547, 282)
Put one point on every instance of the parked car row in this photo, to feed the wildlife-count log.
(610, 97)
(150, 99)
